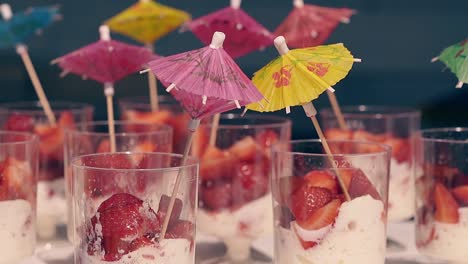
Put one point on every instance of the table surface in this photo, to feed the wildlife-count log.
(403, 233)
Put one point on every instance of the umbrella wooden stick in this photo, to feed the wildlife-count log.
(22, 50)
(214, 130)
(109, 93)
(193, 125)
(311, 112)
(337, 110)
(153, 86)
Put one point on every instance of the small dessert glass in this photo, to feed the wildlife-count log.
(123, 223)
(235, 198)
(18, 187)
(393, 126)
(314, 222)
(93, 137)
(51, 202)
(442, 194)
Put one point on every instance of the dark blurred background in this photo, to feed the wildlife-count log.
(396, 40)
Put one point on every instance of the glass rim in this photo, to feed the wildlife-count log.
(386, 149)
(191, 161)
(278, 121)
(35, 108)
(374, 111)
(443, 140)
(29, 138)
(77, 130)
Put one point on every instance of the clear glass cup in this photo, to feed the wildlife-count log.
(313, 221)
(18, 187)
(93, 137)
(138, 109)
(393, 126)
(29, 117)
(442, 194)
(124, 224)
(234, 195)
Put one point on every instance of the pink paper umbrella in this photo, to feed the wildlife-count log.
(245, 33)
(206, 82)
(105, 61)
(311, 25)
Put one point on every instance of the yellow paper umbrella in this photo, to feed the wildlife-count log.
(299, 76)
(146, 22)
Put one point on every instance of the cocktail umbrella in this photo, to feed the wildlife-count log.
(16, 29)
(455, 57)
(299, 76)
(245, 33)
(147, 21)
(105, 61)
(205, 81)
(311, 25)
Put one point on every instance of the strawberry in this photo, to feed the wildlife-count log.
(200, 142)
(446, 208)
(104, 146)
(181, 229)
(245, 149)
(308, 199)
(400, 149)
(346, 175)
(15, 175)
(461, 193)
(321, 217)
(338, 134)
(443, 173)
(266, 138)
(249, 183)
(216, 196)
(321, 178)
(360, 186)
(164, 205)
(216, 164)
(19, 122)
(306, 244)
(160, 117)
(285, 186)
(66, 120)
(362, 135)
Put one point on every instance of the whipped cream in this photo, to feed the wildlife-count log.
(401, 191)
(450, 240)
(17, 234)
(169, 251)
(358, 236)
(249, 221)
(51, 207)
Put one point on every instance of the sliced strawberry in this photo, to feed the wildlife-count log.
(181, 229)
(66, 120)
(285, 187)
(322, 178)
(160, 117)
(443, 173)
(50, 140)
(246, 149)
(362, 135)
(19, 122)
(360, 186)
(322, 217)
(176, 209)
(216, 196)
(338, 134)
(306, 244)
(266, 138)
(104, 146)
(400, 149)
(249, 183)
(461, 193)
(15, 176)
(308, 199)
(346, 175)
(446, 208)
(200, 142)
(217, 164)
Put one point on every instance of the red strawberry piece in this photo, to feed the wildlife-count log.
(249, 183)
(444, 173)
(461, 193)
(200, 142)
(19, 122)
(446, 208)
(346, 175)
(164, 205)
(216, 164)
(400, 149)
(338, 134)
(66, 120)
(181, 229)
(322, 178)
(305, 244)
(119, 200)
(160, 117)
(216, 195)
(321, 217)
(50, 140)
(360, 186)
(363, 135)
(104, 146)
(246, 149)
(307, 199)
(285, 186)
(266, 138)
(14, 177)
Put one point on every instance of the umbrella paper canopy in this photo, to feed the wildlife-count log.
(301, 75)
(311, 25)
(205, 81)
(20, 26)
(147, 21)
(245, 33)
(455, 58)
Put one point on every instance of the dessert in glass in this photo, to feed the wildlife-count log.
(122, 223)
(442, 194)
(18, 186)
(29, 117)
(138, 109)
(313, 221)
(234, 195)
(393, 126)
(93, 137)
